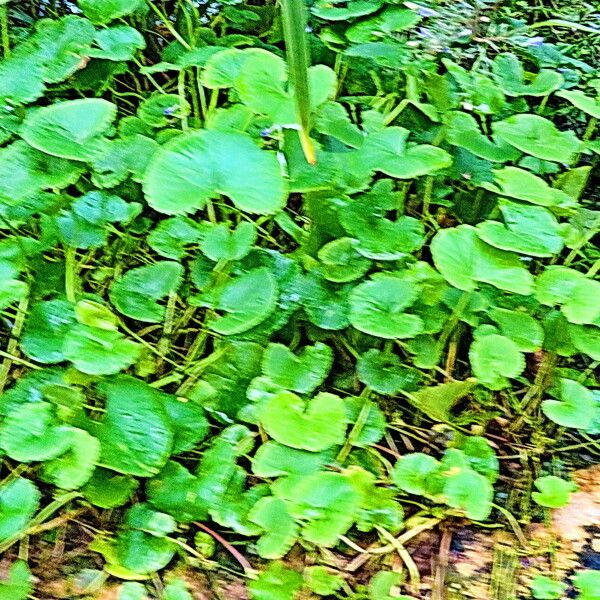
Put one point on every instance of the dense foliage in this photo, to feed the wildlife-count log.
(317, 321)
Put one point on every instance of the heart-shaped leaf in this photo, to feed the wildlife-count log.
(74, 468)
(465, 261)
(136, 293)
(538, 137)
(104, 11)
(301, 372)
(219, 243)
(45, 329)
(470, 492)
(280, 529)
(576, 407)
(584, 103)
(494, 358)
(99, 351)
(245, 301)
(520, 327)
(71, 129)
(32, 433)
(531, 230)
(117, 43)
(342, 262)
(377, 307)
(573, 291)
(314, 425)
(463, 131)
(195, 167)
(383, 372)
(554, 492)
(512, 79)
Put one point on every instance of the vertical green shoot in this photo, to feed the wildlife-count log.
(293, 13)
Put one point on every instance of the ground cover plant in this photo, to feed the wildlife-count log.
(285, 286)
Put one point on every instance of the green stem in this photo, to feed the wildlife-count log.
(182, 100)
(4, 27)
(452, 322)
(293, 16)
(12, 346)
(169, 26)
(356, 430)
(71, 275)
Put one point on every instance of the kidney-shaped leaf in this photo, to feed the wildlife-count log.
(301, 372)
(314, 425)
(465, 261)
(377, 307)
(137, 292)
(280, 529)
(72, 129)
(539, 137)
(104, 11)
(193, 168)
(576, 407)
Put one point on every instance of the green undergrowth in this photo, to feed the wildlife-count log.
(293, 311)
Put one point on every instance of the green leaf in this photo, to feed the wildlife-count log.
(245, 301)
(172, 237)
(18, 585)
(72, 129)
(326, 304)
(221, 243)
(413, 471)
(511, 77)
(74, 468)
(188, 422)
(136, 436)
(544, 588)
(523, 185)
(481, 456)
(576, 407)
(538, 137)
(342, 262)
(19, 499)
(377, 307)
(107, 489)
(143, 553)
(587, 582)
(99, 351)
(463, 131)
(46, 326)
(273, 459)
(104, 11)
(177, 590)
(520, 327)
(387, 151)
(586, 338)
(193, 168)
(302, 372)
(370, 416)
(572, 291)
(326, 503)
(494, 358)
(384, 373)
(554, 492)
(437, 401)
(315, 425)
(117, 43)
(31, 172)
(276, 582)
(465, 261)
(137, 292)
(470, 492)
(280, 529)
(584, 103)
(161, 110)
(320, 580)
(346, 10)
(389, 21)
(531, 230)
(31, 433)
